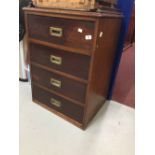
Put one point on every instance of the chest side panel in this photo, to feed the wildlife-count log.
(101, 67)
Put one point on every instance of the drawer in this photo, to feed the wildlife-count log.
(71, 63)
(60, 84)
(57, 103)
(70, 33)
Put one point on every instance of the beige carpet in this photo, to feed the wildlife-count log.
(42, 133)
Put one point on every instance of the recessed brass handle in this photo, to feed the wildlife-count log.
(55, 82)
(55, 31)
(55, 102)
(55, 60)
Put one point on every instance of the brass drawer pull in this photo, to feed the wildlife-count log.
(55, 83)
(55, 60)
(55, 102)
(56, 32)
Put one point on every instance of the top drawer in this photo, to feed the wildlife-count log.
(70, 33)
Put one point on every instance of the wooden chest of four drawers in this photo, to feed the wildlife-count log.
(71, 55)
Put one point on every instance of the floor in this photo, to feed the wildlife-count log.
(42, 133)
(124, 88)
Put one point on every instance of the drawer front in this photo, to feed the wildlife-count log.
(71, 63)
(60, 84)
(70, 33)
(57, 103)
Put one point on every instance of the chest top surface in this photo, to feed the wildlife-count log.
(89, 14)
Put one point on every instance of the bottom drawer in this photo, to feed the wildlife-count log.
(57, 103)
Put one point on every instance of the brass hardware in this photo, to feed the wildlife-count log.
(55, 102)
(55, 83)
(55, 60)
(55, 31)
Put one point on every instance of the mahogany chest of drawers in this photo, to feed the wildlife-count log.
(71, 55)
